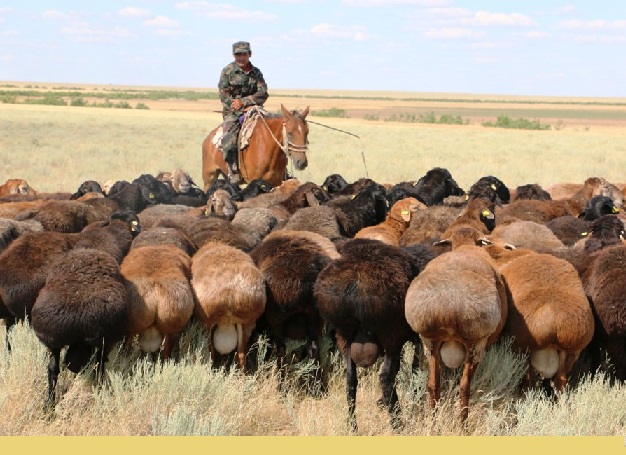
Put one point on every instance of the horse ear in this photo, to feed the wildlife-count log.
(285, 111)
(305, 112)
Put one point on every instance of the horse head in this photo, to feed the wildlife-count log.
(297, 130)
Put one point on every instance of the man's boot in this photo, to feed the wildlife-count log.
(234, 176)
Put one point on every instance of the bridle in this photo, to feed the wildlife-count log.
(287, 147)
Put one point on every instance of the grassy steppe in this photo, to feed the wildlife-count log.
(56, 148)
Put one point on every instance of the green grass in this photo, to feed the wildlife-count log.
(332, 112)
(504, 121)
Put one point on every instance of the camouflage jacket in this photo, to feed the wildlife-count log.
(234, 83)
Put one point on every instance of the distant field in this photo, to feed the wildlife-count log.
(58, 147)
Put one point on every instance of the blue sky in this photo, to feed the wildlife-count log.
(552, 48)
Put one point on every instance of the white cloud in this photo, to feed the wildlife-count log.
(225, 11)
(450, 12)
(451, 33)
(536, 34)
(83, 31)
(53, 14)
(356, 33)
(485, 18)
(8, 58)
(10, 32)
(161, 22)
(597, 24)
(131, 11)
(370, 3)
(168, 32)
(598, 39)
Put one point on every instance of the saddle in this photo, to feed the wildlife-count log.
(248, 119)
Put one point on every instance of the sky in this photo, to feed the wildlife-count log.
(541, 48)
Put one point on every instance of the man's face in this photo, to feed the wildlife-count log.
(242, 59)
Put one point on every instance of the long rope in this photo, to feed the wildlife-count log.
(350, 134)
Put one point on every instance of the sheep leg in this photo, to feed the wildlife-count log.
(351, 386)
(54, 356)
(242, 341)
(616, 351)
(566, 363)
(432, 350)
(527, 380)
(314, 334)
(466, 379)
(171, 347)
(391, 366)
(9, 322)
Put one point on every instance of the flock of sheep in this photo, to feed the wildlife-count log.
(378, 266)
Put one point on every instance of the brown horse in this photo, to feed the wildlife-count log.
(273, 140)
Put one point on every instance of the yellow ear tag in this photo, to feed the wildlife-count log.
(206, 211)
(615, 209)
(485, 213)
(404, 212)
(134, 223)
(493, 186)
(353, 196)
(151, 195)
(467, 197)
(583, 234)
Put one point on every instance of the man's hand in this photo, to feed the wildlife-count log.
(236, 105)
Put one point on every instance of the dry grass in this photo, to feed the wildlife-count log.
(189, 398)
(56, 148)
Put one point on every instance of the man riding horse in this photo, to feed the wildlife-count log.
(241, 85)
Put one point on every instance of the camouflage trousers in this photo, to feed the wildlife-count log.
(230, 146)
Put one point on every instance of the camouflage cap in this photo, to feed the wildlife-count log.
(241, 47)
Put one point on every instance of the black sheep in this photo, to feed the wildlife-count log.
(83, 306)
(531, 191)
(491, 188)
(88, 186)
(435, 186)
(28, 259)
(361, 295)
(254, 188)
(334, 184)
(598, 206)
(290, 262)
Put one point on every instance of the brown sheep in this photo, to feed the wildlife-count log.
(16, 186)
(231, 296)
(528, 234)
(549, 315)
(428, 225)
(544, 211)
(458, 306)
(397, 221)
(160, 297)
(63, 216)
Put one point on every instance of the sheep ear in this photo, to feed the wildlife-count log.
(406, 215)
(442, 242)
(311, 199)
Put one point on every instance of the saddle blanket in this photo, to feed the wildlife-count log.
(249, 121)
